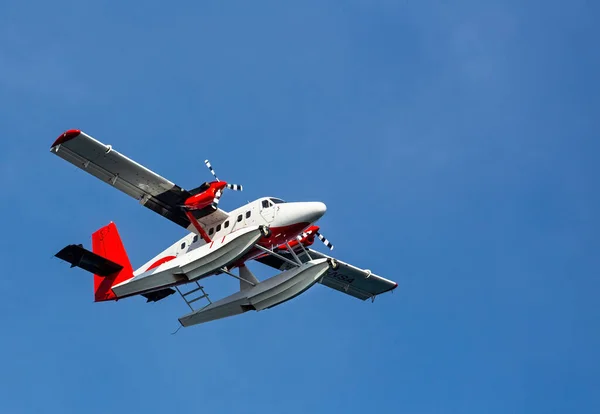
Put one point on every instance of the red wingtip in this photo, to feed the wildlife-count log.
(66, 136)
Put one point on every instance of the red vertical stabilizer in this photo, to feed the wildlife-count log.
(106, 242)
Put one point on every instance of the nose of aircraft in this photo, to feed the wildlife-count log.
(313, 211)
(299, 212)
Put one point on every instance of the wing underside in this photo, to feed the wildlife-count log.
(150, 189)
(349, 279)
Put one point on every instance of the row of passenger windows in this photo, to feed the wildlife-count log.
(226, 224)
(211, 231)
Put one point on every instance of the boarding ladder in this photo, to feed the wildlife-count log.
(200, 294)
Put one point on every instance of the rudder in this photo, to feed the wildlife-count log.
(107, 243)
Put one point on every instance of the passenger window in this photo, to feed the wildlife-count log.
(218, 228)
(211, 231)
(226, 224)
(265, 203)
(195, 239)
(240, 217)
(182, 245)
(247, 214)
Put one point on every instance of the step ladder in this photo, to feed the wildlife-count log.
(201, 294)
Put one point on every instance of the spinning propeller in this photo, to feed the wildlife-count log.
(219, 193)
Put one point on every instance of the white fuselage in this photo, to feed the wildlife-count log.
(286, 221)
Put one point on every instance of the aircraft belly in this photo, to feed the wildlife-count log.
(267, 294)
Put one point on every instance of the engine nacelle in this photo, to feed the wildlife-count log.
(307, 238)
(206, 197)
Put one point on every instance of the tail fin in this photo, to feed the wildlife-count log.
(107, 243)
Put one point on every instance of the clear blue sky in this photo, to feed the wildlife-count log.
(455, 146)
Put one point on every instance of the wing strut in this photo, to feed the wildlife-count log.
(197, 225)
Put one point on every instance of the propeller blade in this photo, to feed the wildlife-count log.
(304, 234)
(215, 202)
(324, 240)
(234, 187)
(211, 169)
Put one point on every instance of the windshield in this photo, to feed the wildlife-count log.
(277, 201)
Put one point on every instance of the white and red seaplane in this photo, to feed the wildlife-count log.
(268, 230)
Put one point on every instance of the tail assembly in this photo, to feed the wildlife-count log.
(107, 243)
(108, 261)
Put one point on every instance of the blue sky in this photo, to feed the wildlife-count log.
(455, 146)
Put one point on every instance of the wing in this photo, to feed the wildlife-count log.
(153, 191)
(360, 283)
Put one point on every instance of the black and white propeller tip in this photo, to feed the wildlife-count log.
(324, 240)
(211, 170)
(234, 187)
(215, 202)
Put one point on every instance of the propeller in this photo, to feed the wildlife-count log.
(234, 187)
(219, 193)
(215, 202)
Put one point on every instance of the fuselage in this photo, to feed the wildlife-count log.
(286, 221)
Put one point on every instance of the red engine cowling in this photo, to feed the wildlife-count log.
(307, 238)
(206, 197)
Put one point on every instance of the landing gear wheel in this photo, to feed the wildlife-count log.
(333, 264)
(266, 231)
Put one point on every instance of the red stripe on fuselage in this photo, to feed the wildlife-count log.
(160, 261)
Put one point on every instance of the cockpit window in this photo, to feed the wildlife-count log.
(277, 201)
(265, 204)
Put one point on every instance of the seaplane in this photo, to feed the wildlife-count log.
(269, 230)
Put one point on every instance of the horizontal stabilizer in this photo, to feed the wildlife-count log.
(78, 256)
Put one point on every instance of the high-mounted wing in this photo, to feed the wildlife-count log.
(361, 284)
(153, 191)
